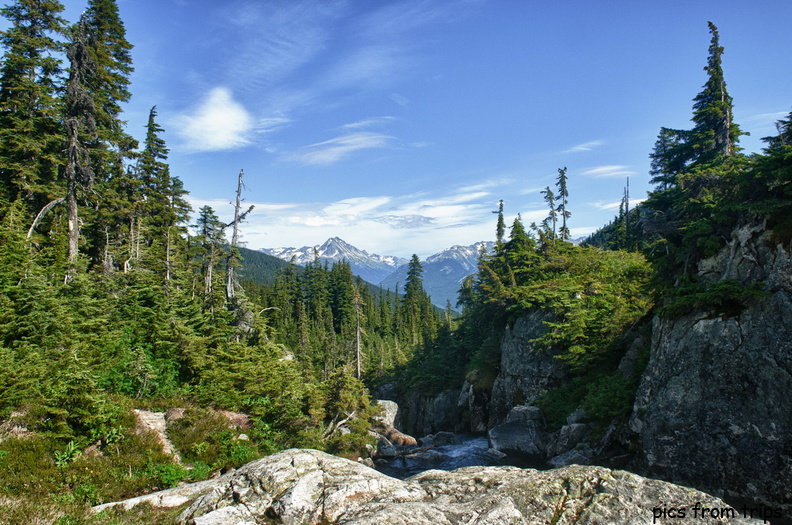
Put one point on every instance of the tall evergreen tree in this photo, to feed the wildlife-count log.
(413, 288)
(154, 175)
(563, 199)
(80, 129)
(210, 239)
(549, 224)
(31, 136)
(500, 228)
(715, 132)
(109, 82)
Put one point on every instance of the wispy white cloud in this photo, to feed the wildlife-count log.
(369, 122)
(586, 146)
(269, 124)
(464, 196)
(766, 118)
(276, 38)
(406, 221)
(385, 224)
(218, 123)
(314, 220)
(356, 206)
(401, 100)
(224, 205)
(486, 184)
(376, 64)
(394, 20)
(334, 150)
(609, 171)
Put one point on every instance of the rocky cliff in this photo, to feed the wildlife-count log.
(713, 409)
(310, 487)
(525, 372)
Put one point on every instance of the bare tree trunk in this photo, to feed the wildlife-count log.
(232, 260)
(42, 213)
(107, 259)
(131, 244)
(74, 228)
(208, 276)
(230, 284)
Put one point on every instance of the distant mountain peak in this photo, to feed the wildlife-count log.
(444, 271)
(371, 267)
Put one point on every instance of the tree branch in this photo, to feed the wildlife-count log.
(42, 213)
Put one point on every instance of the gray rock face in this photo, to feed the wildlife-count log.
(420, 415)
(581, 456)
(308, 487)
(476, 403)
(713, 409)
(522, 437)
(525, 413)
(390, 412)
(568, 438)
(525, 372)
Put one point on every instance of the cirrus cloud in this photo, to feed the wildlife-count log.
(337, 149)
(613, 170)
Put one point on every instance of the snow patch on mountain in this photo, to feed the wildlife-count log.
(444, 272)
(371, 267)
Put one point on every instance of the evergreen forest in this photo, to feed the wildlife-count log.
(115, 295)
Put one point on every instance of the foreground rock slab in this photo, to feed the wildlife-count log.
(310, 487)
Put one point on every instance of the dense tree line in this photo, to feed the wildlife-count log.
(644, 261)
(110, 299)
(705, 188)
(331, 318)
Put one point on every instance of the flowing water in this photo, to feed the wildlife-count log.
(471, 452)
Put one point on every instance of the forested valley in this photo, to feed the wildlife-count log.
(115, 296)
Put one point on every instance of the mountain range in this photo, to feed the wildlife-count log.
(443, 272)
(370, 267)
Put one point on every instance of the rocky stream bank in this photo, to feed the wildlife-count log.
(310, 487)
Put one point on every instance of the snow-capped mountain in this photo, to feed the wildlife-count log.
(443, 272)
(371, 267)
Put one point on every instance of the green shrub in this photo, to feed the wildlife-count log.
(609, 396)
(167, 474)
(725, 298)
(205, 436)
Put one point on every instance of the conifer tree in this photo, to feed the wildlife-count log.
(413, 288)
(80, 129)
(520, 252)
(152, 169)
(563, 199)
(715, 132)
(111, 53)
(416, 307)
(31, 136)
(549, 224)
(500, 228)
(668, 157)
(210, 239)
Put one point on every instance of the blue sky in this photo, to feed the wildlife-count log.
(399, 125)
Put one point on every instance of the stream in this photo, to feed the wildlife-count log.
(471, 452)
